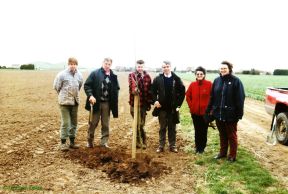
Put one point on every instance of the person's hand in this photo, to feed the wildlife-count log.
(157, 104)
(148, 108)
(135, 92)
(212, 124)
(208, 118)
(92, 100)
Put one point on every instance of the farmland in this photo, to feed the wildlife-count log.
(30, 159)
(254, 85)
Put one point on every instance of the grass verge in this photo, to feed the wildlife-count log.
(220, 176)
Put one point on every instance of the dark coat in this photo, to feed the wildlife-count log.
(227, 99)
(93, 85)
(178, 91)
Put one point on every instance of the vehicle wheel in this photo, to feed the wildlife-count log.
(282, 128)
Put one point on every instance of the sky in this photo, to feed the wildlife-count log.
(248, 33)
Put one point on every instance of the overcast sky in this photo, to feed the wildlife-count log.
(248, 33)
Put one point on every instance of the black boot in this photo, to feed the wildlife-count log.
(90, 143)
(72, 143)
(144, 145)
(63, 146)
(138, 139)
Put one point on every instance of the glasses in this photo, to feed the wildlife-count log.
(199, 74)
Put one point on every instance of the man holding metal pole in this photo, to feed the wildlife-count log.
(140, 85)
(102, 90)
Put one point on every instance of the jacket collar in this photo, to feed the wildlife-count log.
(142, 74)
(226, 77)
(200, 82)
(103, 71)
(170, 75)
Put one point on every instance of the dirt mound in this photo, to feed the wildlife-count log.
(118, 164)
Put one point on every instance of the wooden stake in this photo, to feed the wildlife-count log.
(135, 121)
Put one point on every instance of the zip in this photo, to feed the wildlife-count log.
(199, 98)
(173, 94)
(222, 101)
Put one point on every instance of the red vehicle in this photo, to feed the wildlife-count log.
(276, 104)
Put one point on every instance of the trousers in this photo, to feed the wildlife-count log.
(104, 114)
(68, 126)
(228, 138)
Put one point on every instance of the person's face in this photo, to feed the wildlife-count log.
(199, 75)
(224, 70)
(106, 65)
(139, 68)
(166, 69)
(72, 67)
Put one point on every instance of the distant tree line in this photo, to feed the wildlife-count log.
(28, 66)
(251, 72)
(212, 71)
(280, 72)
(4, 67)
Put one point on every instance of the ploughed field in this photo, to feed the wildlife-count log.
(29, 155)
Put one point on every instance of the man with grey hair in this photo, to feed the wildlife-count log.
(168, 94)
(102, 90)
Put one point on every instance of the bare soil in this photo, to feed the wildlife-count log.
(29, 153)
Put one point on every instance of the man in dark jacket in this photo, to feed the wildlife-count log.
(226, 106)
(168, 94)
(102, 90)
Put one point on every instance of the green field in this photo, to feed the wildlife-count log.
(255, 85)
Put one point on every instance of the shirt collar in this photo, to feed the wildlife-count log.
(106, 73)
(168, 76)
(139, 74)
(68, 70)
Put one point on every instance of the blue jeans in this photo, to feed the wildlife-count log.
(68, 126)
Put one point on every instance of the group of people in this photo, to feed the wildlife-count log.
(222, 100)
